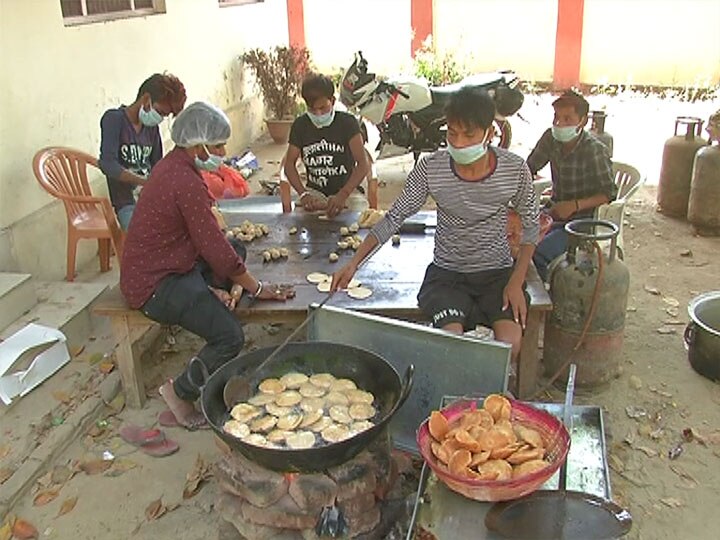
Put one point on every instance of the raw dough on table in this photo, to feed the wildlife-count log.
(359, 293)
(324, 286)
(317, 277)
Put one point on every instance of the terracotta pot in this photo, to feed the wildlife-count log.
(279, 130)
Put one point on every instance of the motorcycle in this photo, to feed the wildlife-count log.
(407, 115)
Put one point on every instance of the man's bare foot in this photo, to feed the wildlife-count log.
(184, 411)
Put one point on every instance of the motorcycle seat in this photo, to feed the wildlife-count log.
(441, 94)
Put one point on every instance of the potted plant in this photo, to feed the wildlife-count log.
(279, 73)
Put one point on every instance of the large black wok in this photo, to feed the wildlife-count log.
(369, 371)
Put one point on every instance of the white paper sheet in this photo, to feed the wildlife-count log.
(46, 350)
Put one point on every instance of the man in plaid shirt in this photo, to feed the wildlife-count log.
(582, 177)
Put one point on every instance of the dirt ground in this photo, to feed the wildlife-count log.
(669, 499)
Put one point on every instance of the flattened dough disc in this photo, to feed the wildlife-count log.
(317, 277)
(359, 293)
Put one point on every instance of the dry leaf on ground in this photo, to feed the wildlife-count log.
(4, 450)
(155, 510)
(652, 290)
(78, 351)
(62, 397)
(61, 474)
(6, 531)
(666, 330)
(672, 502)
(96, 466)
(195, 478)
(5, 474)
(24, 530)
(106, 367)
(67, 506)
(649, 452)
(672, 302)
(46, 496)
(120, 467)
(683, 474)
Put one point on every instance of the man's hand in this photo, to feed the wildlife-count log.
(335, 204)
(311, 203)
(563, 210)
(276, 292)
(514, 297)
(225, 297)
(342, 277)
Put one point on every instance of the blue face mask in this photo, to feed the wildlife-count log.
(469, 154)
(150, 118)
(212, 163)
(322, 120)
(564, 134)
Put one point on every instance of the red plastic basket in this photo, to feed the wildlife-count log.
(553, 432)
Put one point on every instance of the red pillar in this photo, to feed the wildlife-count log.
(421, 21)
(296, 23)
(568, 43)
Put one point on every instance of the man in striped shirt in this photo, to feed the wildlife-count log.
(473, 279)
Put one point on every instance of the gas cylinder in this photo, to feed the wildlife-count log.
(589, 291)
(704, 205)
(676, 169)
(597, 127)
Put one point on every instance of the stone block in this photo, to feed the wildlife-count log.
(230, 509)
(258, 486)
(353, 508)
(284, 514)
(312, 492)
(364, 523)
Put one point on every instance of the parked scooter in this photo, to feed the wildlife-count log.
(408, 114)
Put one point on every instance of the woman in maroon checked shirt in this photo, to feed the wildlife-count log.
(173, 237)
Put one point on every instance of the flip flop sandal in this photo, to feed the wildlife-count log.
(167, 419)
(163, 448)
(137, 436)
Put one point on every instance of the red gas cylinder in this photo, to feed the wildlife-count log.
(677, 164)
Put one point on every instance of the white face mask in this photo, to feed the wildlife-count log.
(150, 118)
(565, 133)
(212, 163)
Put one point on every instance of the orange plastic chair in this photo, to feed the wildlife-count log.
(62, 172)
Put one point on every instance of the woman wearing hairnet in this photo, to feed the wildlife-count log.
(173, 234)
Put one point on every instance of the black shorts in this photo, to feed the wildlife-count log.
(471, 299)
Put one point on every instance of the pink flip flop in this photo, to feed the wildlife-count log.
(137, 436)
(163, 448)
(167, 419)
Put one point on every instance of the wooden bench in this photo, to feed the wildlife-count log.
(128, 325)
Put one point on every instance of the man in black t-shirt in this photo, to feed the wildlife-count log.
(331, 147)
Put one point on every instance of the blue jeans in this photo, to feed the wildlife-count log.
(124, 216)
(552, 246)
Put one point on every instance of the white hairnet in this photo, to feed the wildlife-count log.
(200, 123)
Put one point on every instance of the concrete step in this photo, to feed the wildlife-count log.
(17, 296)
(62, 305)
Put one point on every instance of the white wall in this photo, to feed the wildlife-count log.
(336, 29)
(58, 80)
(499, 34)
(653, 42)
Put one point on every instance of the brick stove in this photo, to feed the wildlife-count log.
(262, 504)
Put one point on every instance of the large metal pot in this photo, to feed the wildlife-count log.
(702, 335)
(368, 370)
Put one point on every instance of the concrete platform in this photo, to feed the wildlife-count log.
(17, 296)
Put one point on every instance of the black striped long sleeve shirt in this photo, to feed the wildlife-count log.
(471, 232)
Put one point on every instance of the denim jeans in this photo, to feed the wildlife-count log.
(124, 216)
(550, 248)
(186, 301)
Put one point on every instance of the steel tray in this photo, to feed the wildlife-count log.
(450, 516)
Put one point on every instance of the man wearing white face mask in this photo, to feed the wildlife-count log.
(473, 279)
(581, 171)
(174, 239)
(130, 143)
(331, 147)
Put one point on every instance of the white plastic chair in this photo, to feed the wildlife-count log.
(628, 180)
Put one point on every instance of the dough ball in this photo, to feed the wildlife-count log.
(333, 257)
(396, 239)
(293, 230)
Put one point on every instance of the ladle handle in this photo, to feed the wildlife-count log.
(567, 420)
(196, 364)
(407, 385)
